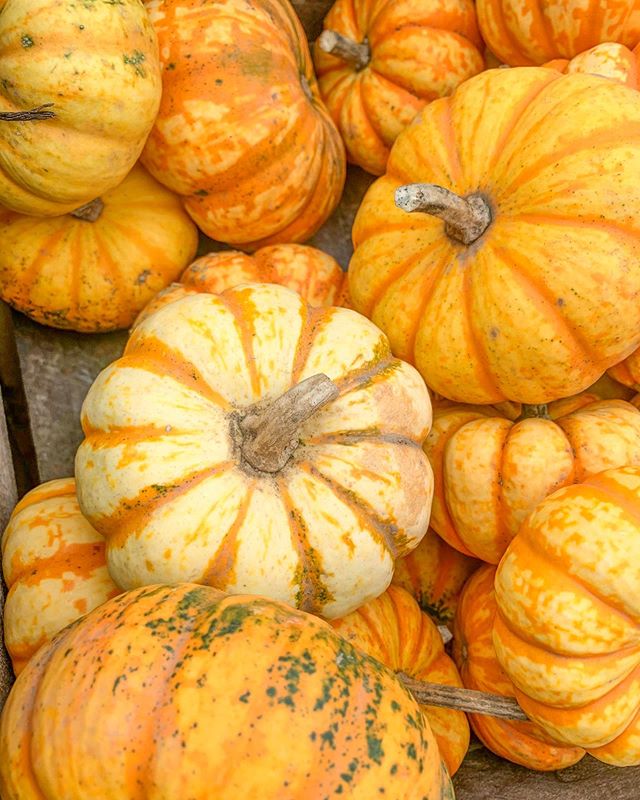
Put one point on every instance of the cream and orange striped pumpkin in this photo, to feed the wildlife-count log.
(393, 630)
(609, 60)
(54, 566)
(316, 276)
(567, 631)
(175, 474)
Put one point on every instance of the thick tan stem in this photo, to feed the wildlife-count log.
(465, 218)
(445, 634)
(342, 47)
(469, 700)
(90, 212)
(530, 411)
(271, 432)
(27, 116)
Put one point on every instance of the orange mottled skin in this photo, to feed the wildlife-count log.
(199, 695)
(420, 50)
(529, 32)
(393, 630)
(523, 743)
(315, 275)
(610, 60)
(490, 472)
(242, 133)
(508, 317)
(434, 573)
(96, 276)
(567, 631)
(54, 566)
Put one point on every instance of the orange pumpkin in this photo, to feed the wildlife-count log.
(434, 573)
(609, 60)
(521, 742)
(491, 472)
(94, 270)
(90, 70)
(249, 441)
(567, 631)
(54, 567)
(527, 32)
(242, 133)
(487, 301)
(393, 630)
(378, 64)
(182, 692)
(315, 275)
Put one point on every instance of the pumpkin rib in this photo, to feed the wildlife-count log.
(354, 380)
(219, 571)
(314, 321)
(242, 317)
(548, 218)
(447, 130)
(346, 437)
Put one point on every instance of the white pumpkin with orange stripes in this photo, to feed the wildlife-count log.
(250, 442)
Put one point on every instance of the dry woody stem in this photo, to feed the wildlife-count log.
(531, 411)
(89, 212)
(40, 112)
(469, 700)
(271, 431)
(465, 218)
(342, 47)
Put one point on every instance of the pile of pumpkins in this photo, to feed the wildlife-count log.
(296, 485)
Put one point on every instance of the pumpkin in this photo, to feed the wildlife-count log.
(79, 90)
(491, 472)
(256, 444)
(610, 60)
(315, 275)
(487, 301)
(203, 695)
(434, 573)
(523, 743)
(527, 32)
(567, 631)
(54, 567)
(93, 270)
(378, 64)
(242, 133)
(393, 630)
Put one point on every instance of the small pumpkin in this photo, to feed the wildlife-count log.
(256, 444)
(490, 472)
(434, 573)
(378, 64)
(93, 270)
(200, 695)
(393, 630)
(465, 248)
(54, 566)
(610, 60)
(242, 133)
(523, 743)
(91, 72)
(567, 631)
(527, 32)
(315, 275)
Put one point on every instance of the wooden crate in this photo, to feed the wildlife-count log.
(45, 375)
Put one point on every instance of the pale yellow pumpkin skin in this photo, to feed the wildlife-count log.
(54, 566)
(97, 62)
(162, 476)
(567, 631)
(393, 630)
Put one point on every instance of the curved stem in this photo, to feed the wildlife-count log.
(531, 411)
(27, 116)
(469, 700)
(334, 43)
(89, 212)
(466, 218)
(270, 433)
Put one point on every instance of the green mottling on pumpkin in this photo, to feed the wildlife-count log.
(374, 748)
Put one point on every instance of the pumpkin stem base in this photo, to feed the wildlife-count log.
(90, 212)
(465, 218)
(531, 411)
(27, 116)
(358, 55)
(271, 431)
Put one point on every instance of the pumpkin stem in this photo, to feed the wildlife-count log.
(466, 218)
(271, 431)
(534, 412)
(469, 700)
(27, 116)
(358, 55)
(89, 212)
